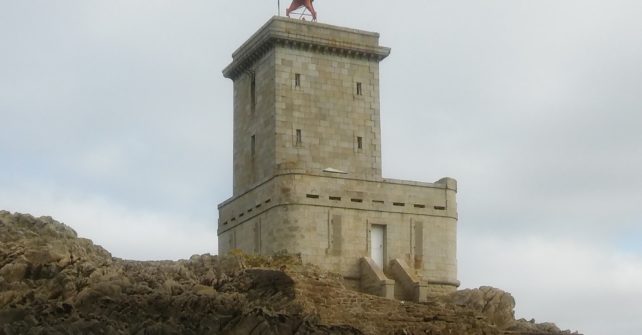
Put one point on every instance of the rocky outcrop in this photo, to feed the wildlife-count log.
(498, 306)
(52, 282)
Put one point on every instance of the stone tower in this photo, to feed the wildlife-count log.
(307, 166)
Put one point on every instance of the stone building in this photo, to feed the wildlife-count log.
(307, 166)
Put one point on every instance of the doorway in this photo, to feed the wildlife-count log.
(377, 244)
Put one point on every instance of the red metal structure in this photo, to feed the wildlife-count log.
(307, 4)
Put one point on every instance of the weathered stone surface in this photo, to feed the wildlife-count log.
(498, 306)
(52, 282)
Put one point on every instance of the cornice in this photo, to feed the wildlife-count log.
(313, 37)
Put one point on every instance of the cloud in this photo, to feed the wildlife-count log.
(130, 233)
(570, 282)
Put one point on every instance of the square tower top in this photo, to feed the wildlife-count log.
(304, 34)
(306, 100)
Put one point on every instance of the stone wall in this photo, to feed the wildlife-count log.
(306, 97)
(327, 220)
(338, 126)
(307, 159)
(254, 121)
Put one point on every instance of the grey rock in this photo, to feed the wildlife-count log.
(52, 282)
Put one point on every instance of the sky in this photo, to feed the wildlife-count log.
(116, 120)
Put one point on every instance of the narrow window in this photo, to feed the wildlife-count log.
(298, 137)
(440, 208)
(359, 89)
(253, 145)
(356, 200)
(380, 202)
(335, 198)
(297, 80)
(253, 92)
(401, 204)
(420, 206)
(312, 196)
(359, 142)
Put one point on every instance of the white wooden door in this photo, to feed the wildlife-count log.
(377, 244)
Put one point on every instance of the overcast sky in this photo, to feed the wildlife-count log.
(115, 119)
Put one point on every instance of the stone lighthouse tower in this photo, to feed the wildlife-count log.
(307, 166)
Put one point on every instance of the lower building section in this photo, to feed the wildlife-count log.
(406, 230)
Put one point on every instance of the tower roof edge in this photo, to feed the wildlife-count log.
(305, 35)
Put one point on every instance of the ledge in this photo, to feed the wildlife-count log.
(444, 183)
(431, 204)
(447, 183)
(300, 34)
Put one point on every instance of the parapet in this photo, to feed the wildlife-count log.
(331, 191)
(446, 182)
(306, 35)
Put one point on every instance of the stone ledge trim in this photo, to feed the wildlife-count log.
(273, 34)
(438, 185)
(245, 219)
(455, 283)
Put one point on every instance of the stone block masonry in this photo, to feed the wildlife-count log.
(307, 161)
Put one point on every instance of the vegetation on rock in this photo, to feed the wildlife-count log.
(52, 282)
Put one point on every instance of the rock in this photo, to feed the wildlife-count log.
(52, 282)
(498, 306)
(14, 271)
(531, 326)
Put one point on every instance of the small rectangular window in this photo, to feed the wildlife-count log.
(359, 143)
(312, 196)
(420, 206)
(299, 139)
(380, 202)
(356, 200)
(297, 80)
(253, 145)
(440, 208)
(401, 204)
(253, 92)
(335, 198)
(359, 89)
